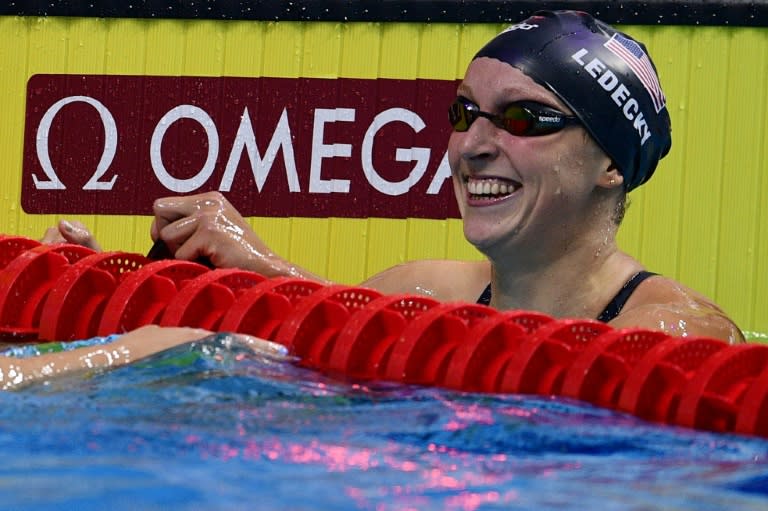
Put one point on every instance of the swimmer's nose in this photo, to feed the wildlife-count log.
(479, 142)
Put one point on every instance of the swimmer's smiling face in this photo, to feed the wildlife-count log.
(511, 188)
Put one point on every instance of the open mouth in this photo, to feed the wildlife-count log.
(490, 188)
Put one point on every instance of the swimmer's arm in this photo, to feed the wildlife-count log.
(681, 321)
(443, 280)
(130, 347)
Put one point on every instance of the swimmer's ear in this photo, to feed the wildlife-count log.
(611, 178)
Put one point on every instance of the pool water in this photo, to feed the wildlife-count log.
(203, 427)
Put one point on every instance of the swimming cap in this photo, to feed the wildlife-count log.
(603, 75)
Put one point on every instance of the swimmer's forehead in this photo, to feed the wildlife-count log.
(497, 82)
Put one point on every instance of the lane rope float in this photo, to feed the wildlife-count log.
(67, 292)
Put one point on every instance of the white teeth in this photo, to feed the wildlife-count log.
(489, 187)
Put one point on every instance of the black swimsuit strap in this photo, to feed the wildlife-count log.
(485, 298)
(614, 306)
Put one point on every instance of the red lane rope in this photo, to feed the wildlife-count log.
(67, 292)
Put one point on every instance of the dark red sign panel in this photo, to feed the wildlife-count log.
(274, 146)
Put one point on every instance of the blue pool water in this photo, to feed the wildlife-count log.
(206, 428)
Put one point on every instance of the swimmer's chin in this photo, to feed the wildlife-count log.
(482, 238)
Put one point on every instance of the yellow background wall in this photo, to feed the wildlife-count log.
(702, 219)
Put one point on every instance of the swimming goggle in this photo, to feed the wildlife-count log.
(522, 118)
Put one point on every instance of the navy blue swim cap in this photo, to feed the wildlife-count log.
(603, 75)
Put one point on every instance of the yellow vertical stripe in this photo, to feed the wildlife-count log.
(14, 34)
(360, 50)
(739, 221)
(310, 239)
(758, 284)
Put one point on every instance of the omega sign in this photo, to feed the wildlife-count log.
(274, 146)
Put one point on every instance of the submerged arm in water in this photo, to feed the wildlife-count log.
(130, 347)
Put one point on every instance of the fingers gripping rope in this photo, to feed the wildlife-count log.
(66, 292)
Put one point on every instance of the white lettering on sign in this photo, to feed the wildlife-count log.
(321, 150)
(442, 175)
(420, 155)
(155, 154)
(245, 143)
(108, 153)
(260, 167)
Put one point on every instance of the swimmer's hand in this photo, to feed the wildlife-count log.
(70, 231)
(259, 346)
(208, 226)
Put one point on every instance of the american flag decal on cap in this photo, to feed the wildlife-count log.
(634, 56)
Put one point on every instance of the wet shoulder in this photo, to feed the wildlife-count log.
(661, 303)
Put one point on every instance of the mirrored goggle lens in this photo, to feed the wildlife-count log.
(518, 121)
(523, 119)
(460, 115)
